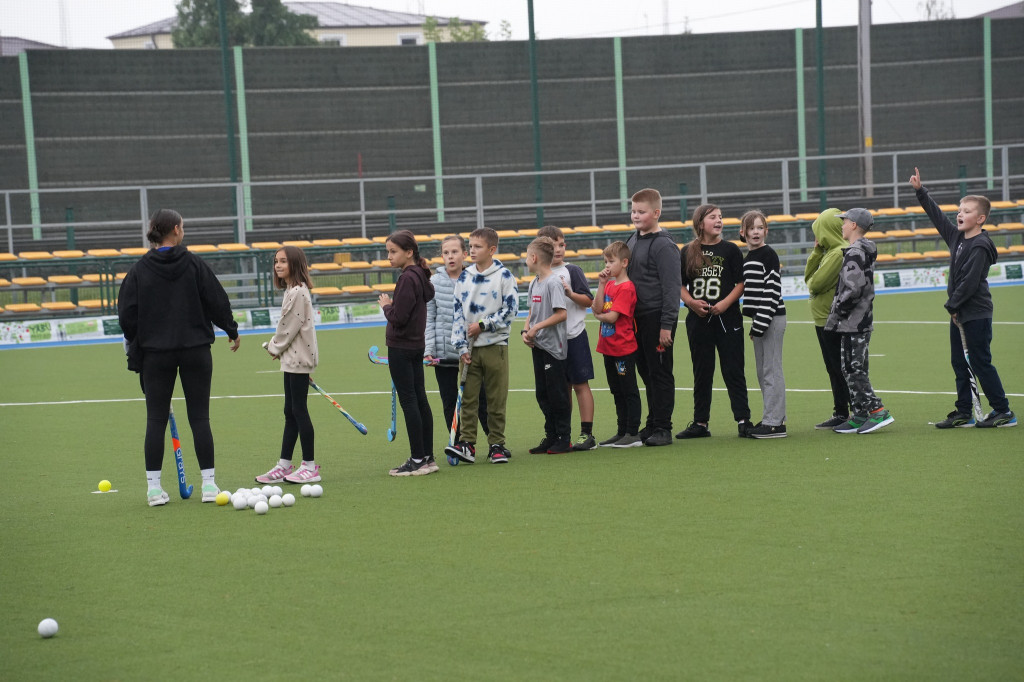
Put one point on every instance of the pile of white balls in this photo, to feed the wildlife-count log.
(260, 500)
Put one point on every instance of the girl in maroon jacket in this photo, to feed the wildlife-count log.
(407, 319)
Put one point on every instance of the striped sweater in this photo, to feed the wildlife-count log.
(762, 288)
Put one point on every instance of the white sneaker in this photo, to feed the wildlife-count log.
(157, 497)
(278, 473)
(210, 492)
(304, 474)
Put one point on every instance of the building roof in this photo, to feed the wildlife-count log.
(329, 15)
(1008, 12)
(11, 46)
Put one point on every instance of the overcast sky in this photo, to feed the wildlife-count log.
(89, 22)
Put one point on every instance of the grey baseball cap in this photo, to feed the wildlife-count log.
(861, 216)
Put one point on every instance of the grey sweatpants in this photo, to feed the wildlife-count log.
(768, 356)
(854, 359)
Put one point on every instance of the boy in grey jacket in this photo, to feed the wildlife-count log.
(850, 317)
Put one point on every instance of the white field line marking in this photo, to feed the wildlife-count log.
(511, 390)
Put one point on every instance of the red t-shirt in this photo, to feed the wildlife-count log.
(619, 339)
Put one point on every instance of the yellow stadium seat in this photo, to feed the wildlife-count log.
(1011, 227)
(899, 234)
(438, 236)
(4, 282)
(926, 232)
(64, 279)
(588, 229)
(327, 242)
(436, 260)
(58, 305)
(507, 234)
(102, 253)
(591, 276)
(1016, 248)
(380, 240)
(92, 303)
(266, 246)
(734, 222)
(29, 281)
(936, 254)
(1003, 204)
(781, 218)
(590, 253)
(356, 241)
(70, 253)
(342, 257)
(324, 267)
(525, 279)
(299, 243)
(885, 257)
(910, 255)
(202, 248)
(569, 253)
(619, 227)
(357, 265)
(36, 255)
(914, 210)
(949, 208)
(671, 224)
(96, 278)
(807, 216)
(134, 251)
(326, 291)
(567, 230)
(232, 246)
(875, 234)
(511, 257)
(385, 287)
(527, 233)
(423, 238)
(1003, 250)
(381, 263)
(357, 289)
(895, 210)
(738, 243)
(7, 257)
(22, 308)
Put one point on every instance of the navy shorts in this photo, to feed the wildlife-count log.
(579, 363)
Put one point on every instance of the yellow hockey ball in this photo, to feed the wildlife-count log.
(104, 486)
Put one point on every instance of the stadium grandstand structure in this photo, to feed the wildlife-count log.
(40, 284)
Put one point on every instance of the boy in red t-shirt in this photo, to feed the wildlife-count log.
(617, 343)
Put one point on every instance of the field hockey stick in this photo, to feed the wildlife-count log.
(383, 359)
(975, 396)
(394, 413)
(359, 427)
(184, 489)
(451, 451)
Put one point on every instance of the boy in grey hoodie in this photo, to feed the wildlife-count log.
(486, 301)
(850, 317)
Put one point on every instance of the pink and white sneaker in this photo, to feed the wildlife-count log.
(276, 474)
(304, 474)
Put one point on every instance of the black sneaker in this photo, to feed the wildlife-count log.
(832, 422)
(585, 441)
(609, 443)
(744, 427)
(411, 468)
(646, 432)
(956, 420)
(498, 454)
(694, 430)
(765, 431)
(460, 452)
(658, 438)
(997, 419)
(559, 446)
(542, 447)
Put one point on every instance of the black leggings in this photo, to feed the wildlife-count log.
(159, 370)
(406, 368)
(297, 423)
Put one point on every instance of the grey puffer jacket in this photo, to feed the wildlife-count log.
(855, 291)
(440, 315)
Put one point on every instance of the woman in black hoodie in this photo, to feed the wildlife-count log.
(168, 303)
(406, 340)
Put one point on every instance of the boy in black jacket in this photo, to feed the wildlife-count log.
(972, 253)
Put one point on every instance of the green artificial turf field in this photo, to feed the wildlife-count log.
(896, 555)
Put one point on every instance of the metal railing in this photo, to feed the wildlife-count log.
(593, 193)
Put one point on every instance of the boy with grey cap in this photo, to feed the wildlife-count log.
(850, 317)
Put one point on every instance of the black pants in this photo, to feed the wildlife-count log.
(655, 369)
(979, 347)
(448, 386)
(831, 352)
(297, 423)
(621, 373)
(552, 394)
(406, 368)
(159, 371)
(706, 334)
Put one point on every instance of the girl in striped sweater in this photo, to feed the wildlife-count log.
(762, 302)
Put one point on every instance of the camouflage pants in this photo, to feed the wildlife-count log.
(854, 360)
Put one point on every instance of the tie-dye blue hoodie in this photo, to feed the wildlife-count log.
(490, 298)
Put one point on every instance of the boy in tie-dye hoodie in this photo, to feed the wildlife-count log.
(486, 302)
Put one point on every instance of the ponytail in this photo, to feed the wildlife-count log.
(161, 224)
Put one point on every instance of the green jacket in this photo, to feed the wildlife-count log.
(824, 263)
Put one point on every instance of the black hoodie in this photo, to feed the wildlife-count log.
(969, 262)
(407, 314)
(170, 300)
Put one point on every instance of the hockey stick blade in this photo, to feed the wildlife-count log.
(184, 489)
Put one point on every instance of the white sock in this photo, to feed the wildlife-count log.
(309, 464)
(284, 463)
(153, 480)
(208, 476)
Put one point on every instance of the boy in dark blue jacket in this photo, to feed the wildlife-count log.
(972, 253)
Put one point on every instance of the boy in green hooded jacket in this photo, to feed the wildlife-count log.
(821, 275)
